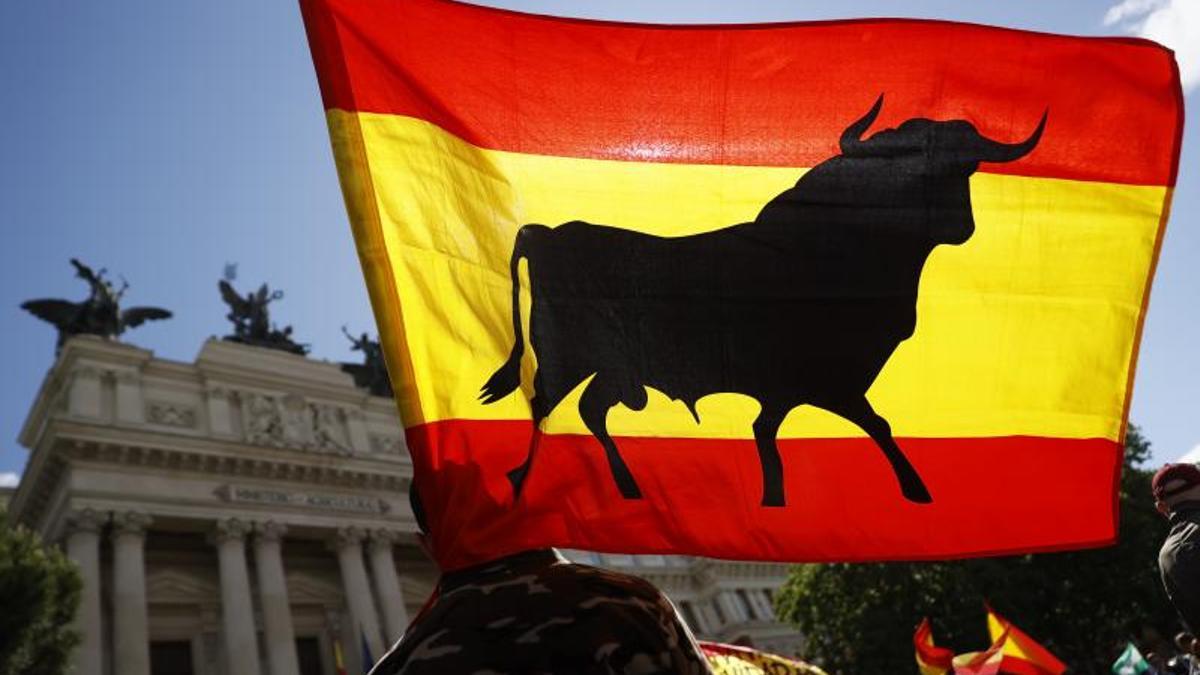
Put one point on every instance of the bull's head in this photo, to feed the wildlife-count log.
(932, 161)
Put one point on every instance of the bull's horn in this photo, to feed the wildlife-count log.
(994, 151)
(852, 136)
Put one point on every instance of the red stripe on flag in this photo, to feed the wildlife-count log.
(1011, 665)
(991, 496)
(712, 94)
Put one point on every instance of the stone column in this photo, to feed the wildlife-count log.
(128, 400)
(220, 415)
(84, 396)
(273, 595)
(729, 604)
(237, 614)
(764, 603)
(356, 429)
(83, 546)
(387, 584)
(131, 638)
(358, 592)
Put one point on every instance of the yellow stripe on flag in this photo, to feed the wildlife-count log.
(1021, 647)
(1020, 331)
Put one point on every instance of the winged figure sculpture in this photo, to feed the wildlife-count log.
(252, 322)
(372, 373)
(100, 314)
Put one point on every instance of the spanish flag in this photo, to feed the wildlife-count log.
(931, 659)
(726, 659)
(339, 660)
(851, 290)
(1021, 654)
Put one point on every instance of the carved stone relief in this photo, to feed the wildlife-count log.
(171, 414)
(386, 445)
(328, 429)
(262, 420)
(297, 421)
(293, 422)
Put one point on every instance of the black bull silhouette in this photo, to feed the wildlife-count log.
(804, 305)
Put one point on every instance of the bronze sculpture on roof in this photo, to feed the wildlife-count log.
(100, 314)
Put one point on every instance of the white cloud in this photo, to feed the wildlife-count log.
(1192, 456)
(1174, 23)
(9, 479)
(1130, 9)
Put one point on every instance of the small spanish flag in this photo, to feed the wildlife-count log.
(1021, 654)
(931, 659)
(736, 660)
(339, 659)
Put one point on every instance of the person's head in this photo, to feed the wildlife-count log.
(1175, 484)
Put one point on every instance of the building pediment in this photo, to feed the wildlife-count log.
(308, 589)
(176, 585)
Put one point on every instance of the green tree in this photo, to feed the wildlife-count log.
(1082, 605)
(39, 595)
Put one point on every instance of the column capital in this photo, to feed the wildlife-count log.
(85, 520)
(384, 540)
(86, 372)
(269, 531)
(347, 537)
(131, 522)
(230, 529)
(126, 376)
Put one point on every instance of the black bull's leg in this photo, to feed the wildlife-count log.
(597, 399)
(860, 412)
(766, 426)
(601, 395)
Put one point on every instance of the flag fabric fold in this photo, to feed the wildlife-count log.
(978, 663)
(931, 659)
(736, 660)
(809, 291)
(986, 662)
(339, 657)
(1131, 662)
(1022, 655)
(368, 659)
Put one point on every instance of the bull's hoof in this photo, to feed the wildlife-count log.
(773, 492)
(517, 478)
(629, 489)
(916, 492)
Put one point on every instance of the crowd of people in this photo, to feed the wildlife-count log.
(1180, 658)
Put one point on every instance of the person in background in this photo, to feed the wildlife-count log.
(1176, 489)
(536, 612)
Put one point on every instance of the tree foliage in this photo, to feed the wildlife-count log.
(39, 595)
(1082, 605)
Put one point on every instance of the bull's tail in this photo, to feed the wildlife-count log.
(508, 377)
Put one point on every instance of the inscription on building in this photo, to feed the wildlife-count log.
(256, 495)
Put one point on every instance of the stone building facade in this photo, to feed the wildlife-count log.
(247, 513)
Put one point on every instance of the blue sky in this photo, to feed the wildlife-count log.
(164, 139)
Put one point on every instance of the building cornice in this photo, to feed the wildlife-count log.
(221, 363)
(130, 453)
(81, 356)
(65, 433)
